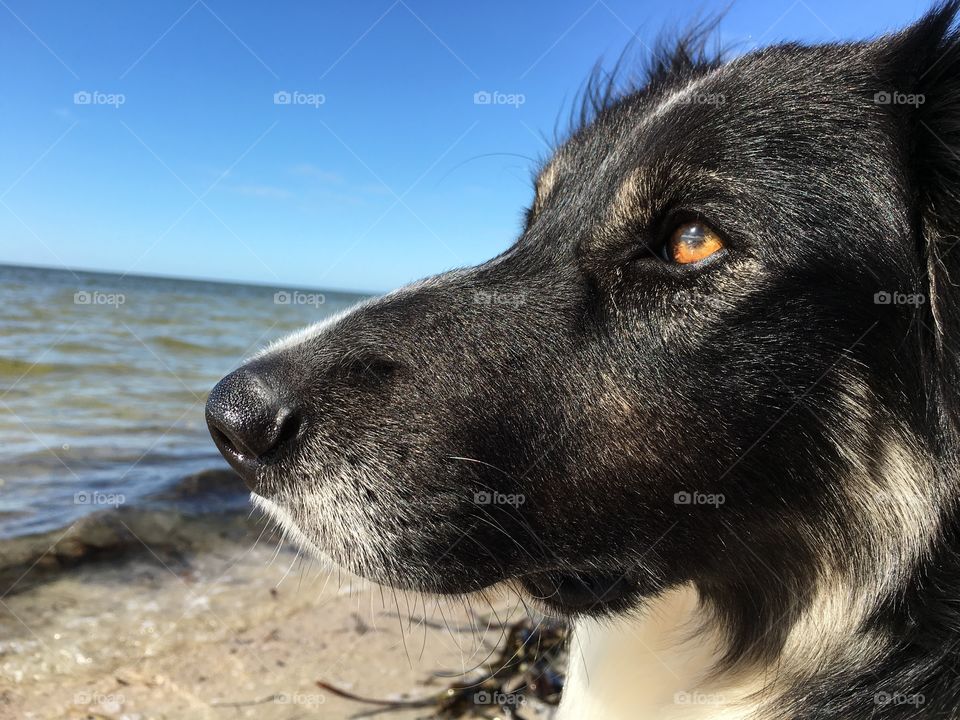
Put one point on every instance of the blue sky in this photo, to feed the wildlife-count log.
(380, 169)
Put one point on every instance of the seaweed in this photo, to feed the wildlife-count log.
(528, 665)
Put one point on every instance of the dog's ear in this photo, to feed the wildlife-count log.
(919, 83)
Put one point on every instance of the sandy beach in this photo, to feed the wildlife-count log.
(203, 621)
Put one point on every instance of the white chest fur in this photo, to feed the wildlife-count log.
(651, 667)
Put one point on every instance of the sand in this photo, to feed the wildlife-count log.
(237, 630)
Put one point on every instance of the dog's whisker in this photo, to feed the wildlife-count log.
(403, 638)
(296, 557)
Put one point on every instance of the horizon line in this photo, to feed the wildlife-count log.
(161, 276)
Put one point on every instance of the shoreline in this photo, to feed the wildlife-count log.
(142, 614)
(182, 518)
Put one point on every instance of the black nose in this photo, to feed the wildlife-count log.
(249, 420)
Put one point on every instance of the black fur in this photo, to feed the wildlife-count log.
(595, 381)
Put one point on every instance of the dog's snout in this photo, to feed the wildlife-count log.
(250, 420)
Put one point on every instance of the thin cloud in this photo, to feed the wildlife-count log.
(262, 191)
(312, 171)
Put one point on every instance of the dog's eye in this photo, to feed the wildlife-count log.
(691, 243)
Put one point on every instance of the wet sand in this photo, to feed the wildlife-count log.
(229, 628)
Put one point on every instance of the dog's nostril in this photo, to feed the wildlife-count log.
(221, 439)
(288, 427)
(249, 421)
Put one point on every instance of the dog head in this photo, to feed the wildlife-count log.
(717, 353)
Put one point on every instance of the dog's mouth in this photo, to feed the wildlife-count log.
(571, 592)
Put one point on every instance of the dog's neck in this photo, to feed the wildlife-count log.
(873, 634)
(662, 663)
(655, 666)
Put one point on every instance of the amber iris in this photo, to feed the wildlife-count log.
(692, 242)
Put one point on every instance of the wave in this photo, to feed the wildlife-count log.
(13, 368)
(16, 368)
(180, 345)
(192, 514)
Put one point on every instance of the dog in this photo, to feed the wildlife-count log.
(707, 405)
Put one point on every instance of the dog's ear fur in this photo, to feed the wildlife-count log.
(924, 61)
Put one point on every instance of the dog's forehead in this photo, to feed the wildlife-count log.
(748, 115)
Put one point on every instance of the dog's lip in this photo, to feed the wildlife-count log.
(574, 591)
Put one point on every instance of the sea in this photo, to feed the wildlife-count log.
(103, 380)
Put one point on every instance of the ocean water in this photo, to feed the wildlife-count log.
(103, 381)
